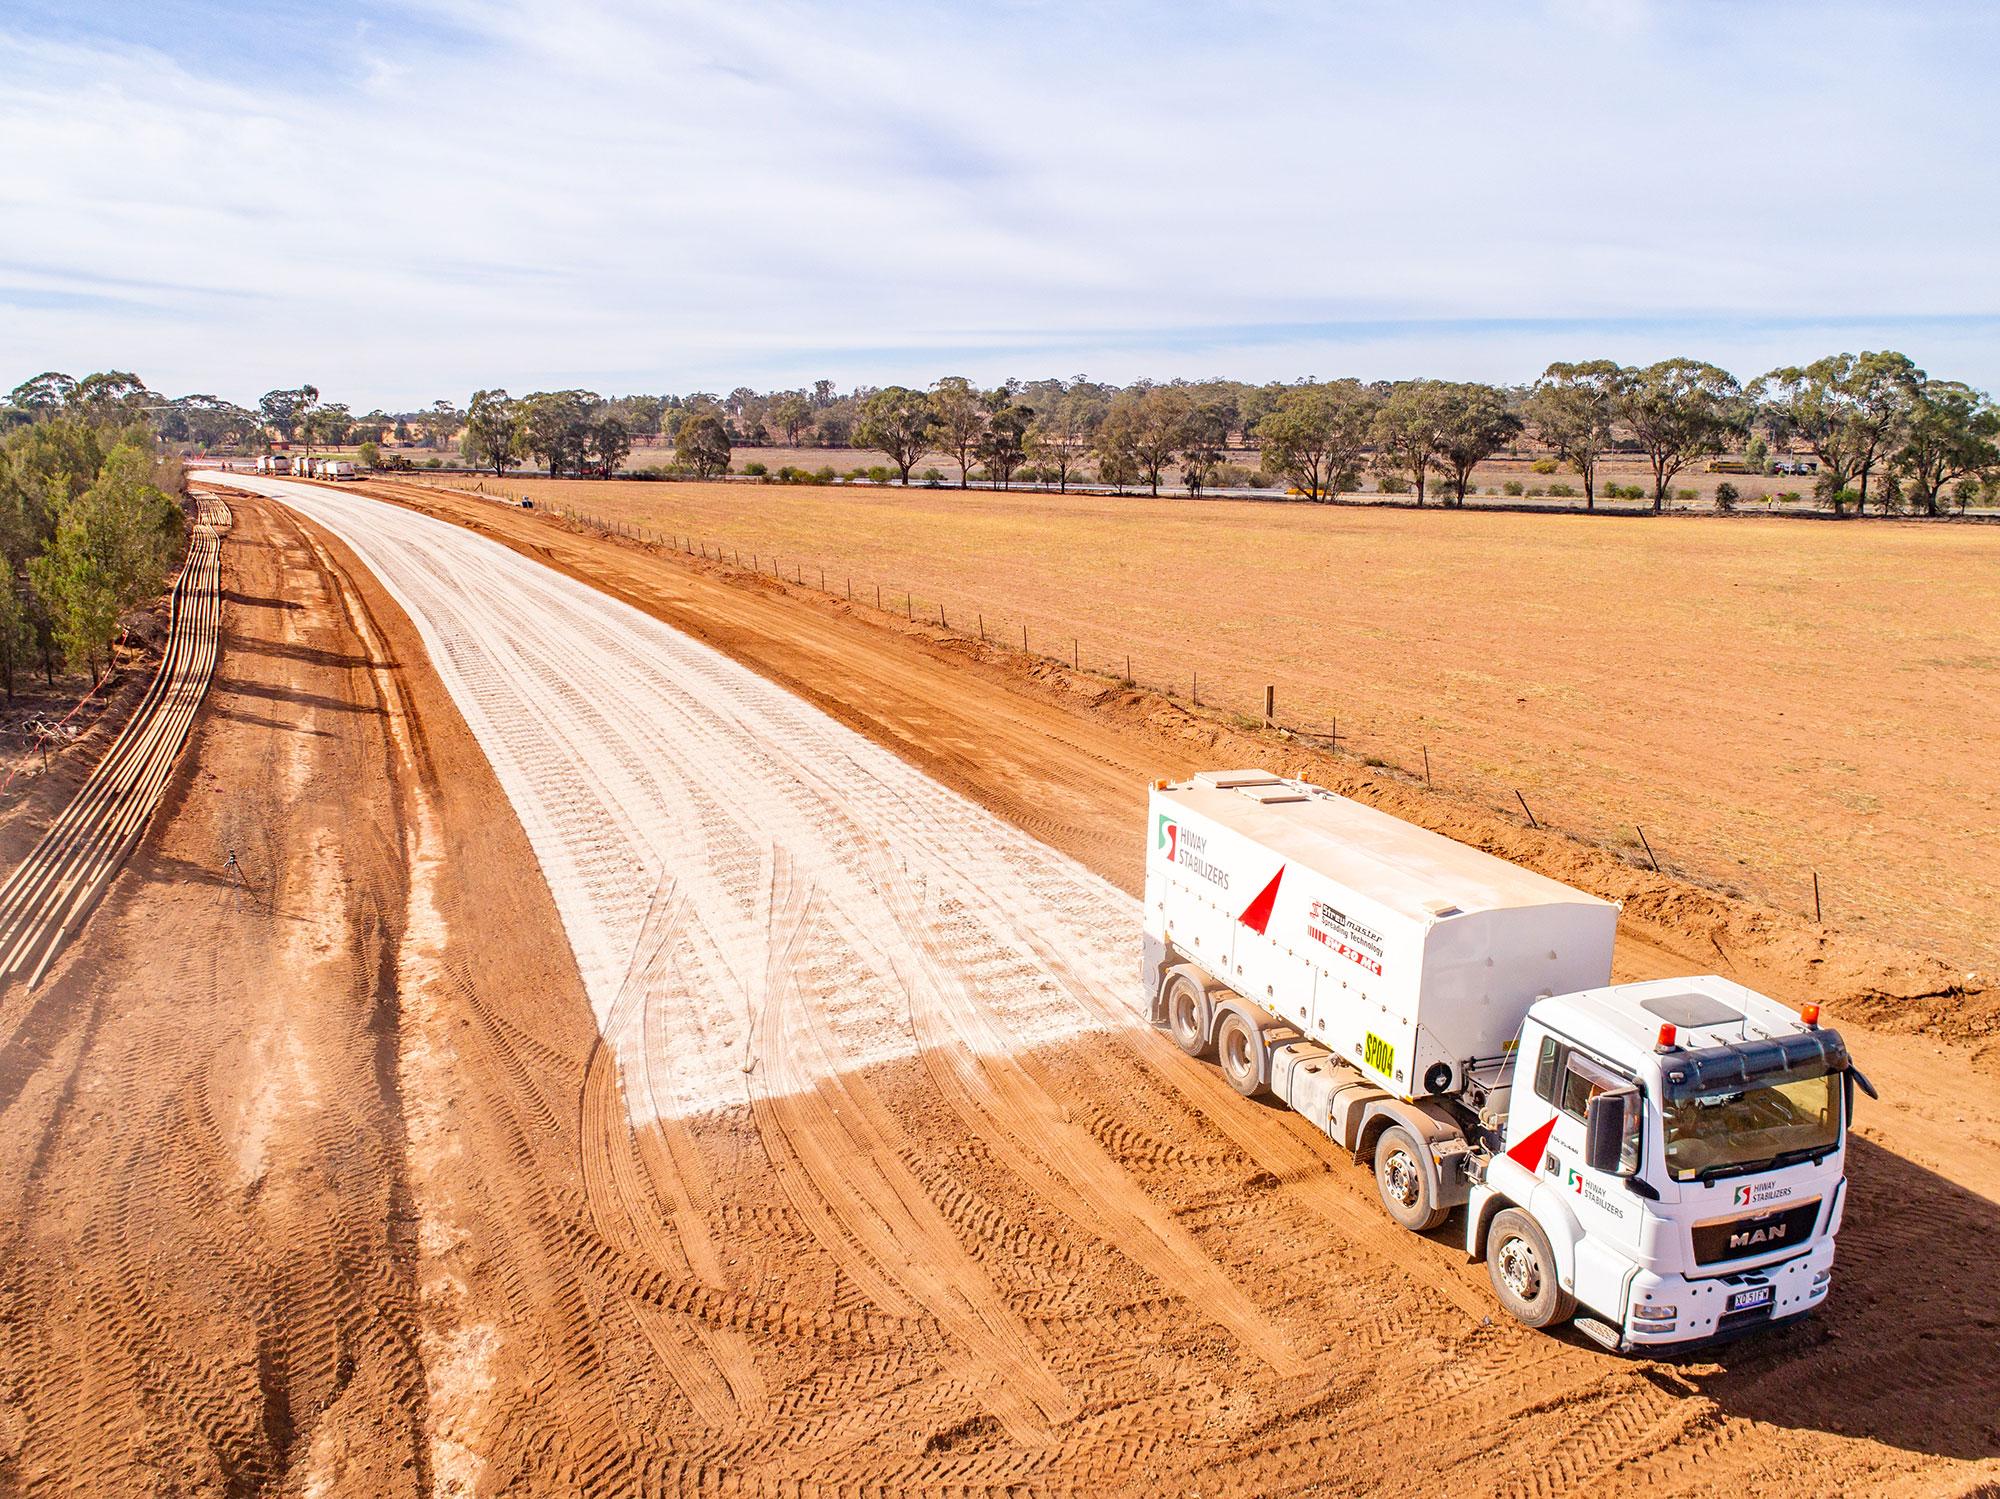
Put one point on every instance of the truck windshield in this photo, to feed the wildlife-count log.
(1755, 1128)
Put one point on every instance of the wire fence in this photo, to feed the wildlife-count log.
(1225, 699)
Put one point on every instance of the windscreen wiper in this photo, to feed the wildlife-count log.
(1731, 1168)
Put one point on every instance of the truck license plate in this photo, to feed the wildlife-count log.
(1756, 1296)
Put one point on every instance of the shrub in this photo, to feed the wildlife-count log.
(1535, 491)
(1256, 478)
(1790, 496)
(370, 455)
(1512, 486)
(1625, 492)
(433, 463)
(881, 473)
(1544, 465)
(932, 476)
(857, 473)
(790, 475)
(1563, 491)
(1393, 484)
(1840, 499)
(756, 470)
(1965, 491)
(825, 475)
(1725, 497)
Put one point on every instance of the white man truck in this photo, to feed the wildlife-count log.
(1662, 1162)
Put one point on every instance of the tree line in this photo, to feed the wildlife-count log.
(1876, 426)
(90, 520)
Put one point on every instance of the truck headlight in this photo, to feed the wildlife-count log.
(1641, 1324)
(1821, 1279)
(1655, 1312)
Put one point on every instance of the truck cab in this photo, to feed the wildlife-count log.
(1671, 1163)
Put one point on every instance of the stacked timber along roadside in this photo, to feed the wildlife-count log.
(50, 896)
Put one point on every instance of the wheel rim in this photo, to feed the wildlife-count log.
(1401, 1180)
(1184, 1021)
(1236, 1051)
(1521, 1269)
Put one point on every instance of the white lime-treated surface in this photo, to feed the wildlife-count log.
(731, 865)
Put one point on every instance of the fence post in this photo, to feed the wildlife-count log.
(1195, 696)
(1525, 808)
(1075, 655)
(1270, 703)
(1649, 848)
(1024, 640)
(1427, 765)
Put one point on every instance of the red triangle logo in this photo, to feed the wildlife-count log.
(1529, 1152)
(1257, 915)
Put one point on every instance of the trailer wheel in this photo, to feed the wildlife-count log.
(1523, 1269)
(1240, 1050)
(1184, 1016)
(1404, 1187)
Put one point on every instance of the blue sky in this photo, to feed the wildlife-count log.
(407, 199)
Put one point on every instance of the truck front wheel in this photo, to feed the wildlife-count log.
(1184, 1016)
(1404, 1187)
(1240, 1050)
(1523, 1268)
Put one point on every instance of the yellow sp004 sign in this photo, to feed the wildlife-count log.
(1380, 1055)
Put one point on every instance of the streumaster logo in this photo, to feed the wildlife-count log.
(1190, 851)
(1353, 941)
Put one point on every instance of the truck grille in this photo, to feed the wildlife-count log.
(1761, 1233)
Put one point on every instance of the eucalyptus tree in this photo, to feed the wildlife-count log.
(1314, 436)
(1679, 410)
(901, 423)
(1571, 409)
(1475, 422)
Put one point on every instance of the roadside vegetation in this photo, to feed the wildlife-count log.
(90, 520)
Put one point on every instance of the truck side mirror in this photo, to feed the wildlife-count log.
(1607, 1123)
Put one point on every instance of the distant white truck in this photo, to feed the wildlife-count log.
(1663, 1161)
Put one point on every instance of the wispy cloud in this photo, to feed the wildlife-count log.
(406, 198)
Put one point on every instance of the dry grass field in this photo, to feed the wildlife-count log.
(1764, 697)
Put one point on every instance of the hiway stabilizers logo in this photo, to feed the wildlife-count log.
(1749, 1195)
(1594, 1192)
(1189, 850)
